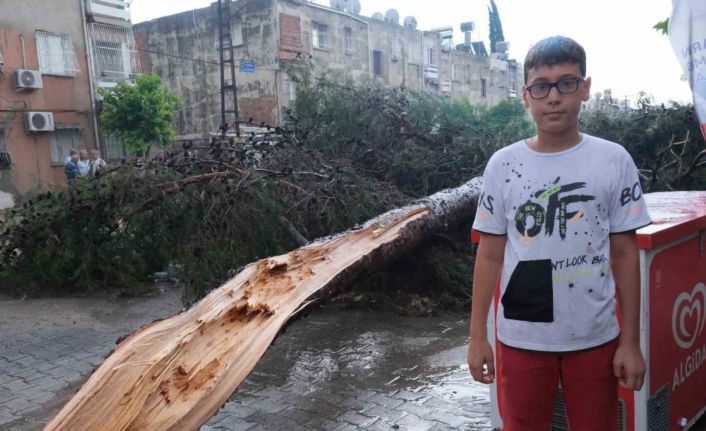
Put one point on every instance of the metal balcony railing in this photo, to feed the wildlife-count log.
(114, 53)
(56, 54)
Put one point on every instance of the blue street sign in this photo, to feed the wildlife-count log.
(247, 66)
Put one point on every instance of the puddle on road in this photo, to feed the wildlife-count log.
(349, 353)
(311, 371)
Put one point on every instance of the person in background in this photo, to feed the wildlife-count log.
(96, 164)
(83, 164)
(72, 152)
(71, 168)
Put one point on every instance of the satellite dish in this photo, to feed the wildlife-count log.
(378, 16)
(392, 16)
(410, 22)
(354, 7)
(338, 4)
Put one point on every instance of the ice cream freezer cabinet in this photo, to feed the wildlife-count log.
(672, 321)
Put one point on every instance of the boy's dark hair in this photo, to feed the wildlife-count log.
(555, 50)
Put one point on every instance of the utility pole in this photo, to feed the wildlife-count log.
(227, 63)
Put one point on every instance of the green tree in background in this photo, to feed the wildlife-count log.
(142, 114)
(496, 27)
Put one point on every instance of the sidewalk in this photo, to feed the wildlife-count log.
(335, 370)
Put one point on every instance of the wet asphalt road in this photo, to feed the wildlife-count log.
(346, 370)
(334, 370)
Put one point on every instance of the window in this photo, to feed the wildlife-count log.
(290, 90)
(114, 52)
(320, 35)
(482, 88)
(5, 160)
(453, 71)
(56, 54)
(113, 148)
(63, 140)
(415, 54)
(236, 30)
(377, 62)
(348, 40)
(431, 56)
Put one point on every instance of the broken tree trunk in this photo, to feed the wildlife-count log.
(175, 374)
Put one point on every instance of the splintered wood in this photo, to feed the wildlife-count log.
(175, 374)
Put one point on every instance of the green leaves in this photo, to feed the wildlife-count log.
(496, 26)
(662, 26)
(142, 114)
(416, 142)
(663, 139)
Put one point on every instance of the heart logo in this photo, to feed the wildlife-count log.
(689, 316)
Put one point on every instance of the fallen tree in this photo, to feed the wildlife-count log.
(175, 374)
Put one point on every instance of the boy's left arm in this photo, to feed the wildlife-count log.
(628, 363)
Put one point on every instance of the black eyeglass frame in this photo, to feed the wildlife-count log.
(555, 85)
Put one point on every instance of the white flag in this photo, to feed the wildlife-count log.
(687, 32)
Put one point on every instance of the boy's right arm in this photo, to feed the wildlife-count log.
(489, 260)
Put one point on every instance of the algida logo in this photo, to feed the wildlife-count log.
(689, 316)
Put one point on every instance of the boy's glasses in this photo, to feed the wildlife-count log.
(563, 86)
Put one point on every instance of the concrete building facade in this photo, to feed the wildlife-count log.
(183, 49)
(53, 54)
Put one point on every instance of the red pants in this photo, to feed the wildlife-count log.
(530, 380)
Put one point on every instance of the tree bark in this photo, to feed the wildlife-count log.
(175, 374)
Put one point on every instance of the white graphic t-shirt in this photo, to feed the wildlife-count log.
(558, 209)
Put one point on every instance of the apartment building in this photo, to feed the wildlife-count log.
(53, 56)
(183, 49)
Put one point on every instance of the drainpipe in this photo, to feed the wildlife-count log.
(424, 64)
(24, 57)
(89, 62)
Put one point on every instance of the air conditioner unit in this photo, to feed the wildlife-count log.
(39, 122)
(28, 79)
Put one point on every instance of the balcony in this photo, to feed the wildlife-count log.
(114, 54)
(114, 9)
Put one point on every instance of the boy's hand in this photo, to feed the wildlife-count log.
(480, 361)
(629, 366)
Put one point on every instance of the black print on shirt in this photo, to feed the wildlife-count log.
(631, 194)
(529, 209)
(529, 295)
(580, 260)
(487, 201)
(556, 209)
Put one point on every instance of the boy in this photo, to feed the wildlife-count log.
(556, 212)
